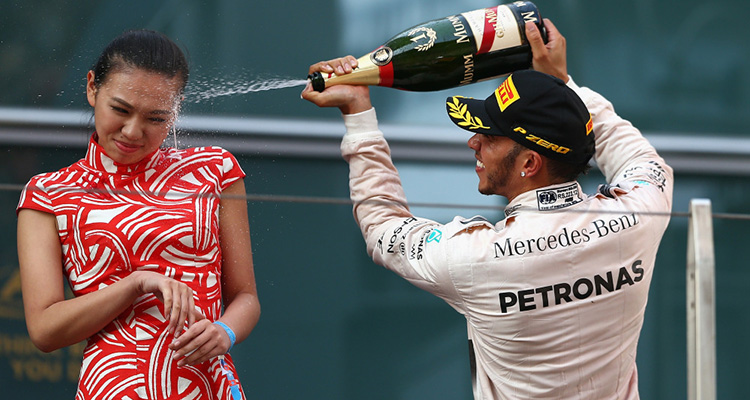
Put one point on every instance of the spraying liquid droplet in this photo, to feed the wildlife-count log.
(203, 90)
(199, 90)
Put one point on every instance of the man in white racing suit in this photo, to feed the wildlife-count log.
(554, 295)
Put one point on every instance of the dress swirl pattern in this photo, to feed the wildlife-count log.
(159, 215)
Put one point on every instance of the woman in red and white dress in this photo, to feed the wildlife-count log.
(154, 242)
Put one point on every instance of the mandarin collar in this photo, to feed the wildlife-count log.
(548, 198)
(99, 160)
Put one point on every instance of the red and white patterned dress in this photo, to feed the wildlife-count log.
(160, 215)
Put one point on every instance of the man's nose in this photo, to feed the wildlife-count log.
(474, 142)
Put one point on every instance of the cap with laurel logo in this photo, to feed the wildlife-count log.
(534, 109)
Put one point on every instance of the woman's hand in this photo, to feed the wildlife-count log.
(202, 341)
(177, 297)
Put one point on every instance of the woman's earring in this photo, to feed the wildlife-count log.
(523, 174)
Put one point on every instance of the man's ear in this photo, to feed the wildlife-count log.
(533, 163)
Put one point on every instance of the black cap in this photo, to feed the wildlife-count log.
(536, 110)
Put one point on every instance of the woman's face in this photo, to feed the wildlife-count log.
(134, 110)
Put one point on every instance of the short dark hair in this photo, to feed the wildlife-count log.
(144, 49)
(558, 171)
(564, 172)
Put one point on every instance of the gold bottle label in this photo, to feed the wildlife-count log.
(366, 73)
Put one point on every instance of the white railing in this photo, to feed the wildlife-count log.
(701, 303)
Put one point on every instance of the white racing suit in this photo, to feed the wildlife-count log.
(554, 295)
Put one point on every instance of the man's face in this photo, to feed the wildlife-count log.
(496, 167)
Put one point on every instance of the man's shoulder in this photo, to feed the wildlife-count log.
(461, 225)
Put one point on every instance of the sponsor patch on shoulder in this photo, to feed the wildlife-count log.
(558, 197)
(435, 236)
(648, 174)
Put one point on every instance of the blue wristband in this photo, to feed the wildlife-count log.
(230, 333)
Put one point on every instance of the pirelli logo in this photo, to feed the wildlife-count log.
(506, 94)
(541, 142)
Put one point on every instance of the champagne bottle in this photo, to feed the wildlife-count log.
(447, 52)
